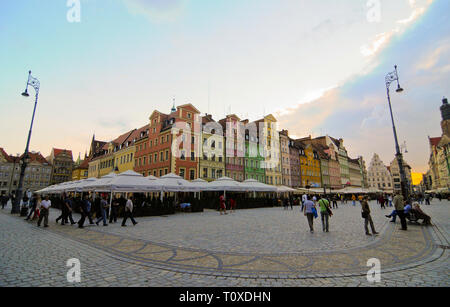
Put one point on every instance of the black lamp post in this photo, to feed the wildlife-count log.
(391, 77)
(26, 158)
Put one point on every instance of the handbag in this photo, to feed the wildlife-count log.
(364, 214)
(314, 211)
(329, 211)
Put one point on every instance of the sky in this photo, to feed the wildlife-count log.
(318, 66)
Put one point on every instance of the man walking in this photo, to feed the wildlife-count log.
(335, 205)
(67, 211)
(367, 217)
(399, 205)
(129, 212)
(45, 208)
(324, 205)
(308, 209)
(3, 200)
(85, 212)
(114, 209)
(33, 204)
(103, 207)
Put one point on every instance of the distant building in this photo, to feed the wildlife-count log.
(37, 174)
(438, 162)
(396, 178)
(62, 162)
(212, 155)
(355, 174)
(378, 175)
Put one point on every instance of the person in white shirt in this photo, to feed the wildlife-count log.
(128, 212)
(45, 208)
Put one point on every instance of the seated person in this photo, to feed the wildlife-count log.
(420, 214)
(393, 214)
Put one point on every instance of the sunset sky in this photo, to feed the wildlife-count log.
(318, 66)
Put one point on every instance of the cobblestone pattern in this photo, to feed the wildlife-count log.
(33, 256)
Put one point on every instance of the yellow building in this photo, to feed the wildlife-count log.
(116, 156)
(81, 171)
(270, 139)
(309, 165)
(212, 157)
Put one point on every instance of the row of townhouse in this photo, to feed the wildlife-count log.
(194, 146)
(40, 172)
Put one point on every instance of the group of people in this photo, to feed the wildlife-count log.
(402, 209)
(39, 209)
(223, 205)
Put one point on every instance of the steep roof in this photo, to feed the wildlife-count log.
(5, 155)
(36, 157)
(435, 141)
(57, 152)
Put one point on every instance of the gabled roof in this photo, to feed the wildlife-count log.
(5, 155)
(435, 141)
(57, 152)
(188, 105)
(36, 157)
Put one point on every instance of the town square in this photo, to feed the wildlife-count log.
(225, 145)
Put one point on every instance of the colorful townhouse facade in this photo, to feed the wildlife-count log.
(253, 160)
(270, 141)
(212, 155)
(234, 147)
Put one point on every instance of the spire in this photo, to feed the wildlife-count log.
(173, 108)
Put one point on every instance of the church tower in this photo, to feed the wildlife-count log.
(445, 112)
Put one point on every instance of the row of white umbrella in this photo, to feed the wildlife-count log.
(131, 181)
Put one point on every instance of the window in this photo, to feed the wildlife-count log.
(182, 173)
(156, 158)
(161, 156)
(160, 173)
(183, 155)
(192, 156)
(192, 174)
(167, 155)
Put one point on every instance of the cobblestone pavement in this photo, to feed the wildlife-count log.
(259, 247)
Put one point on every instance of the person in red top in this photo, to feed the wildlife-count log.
(232, 205)
(223, 207)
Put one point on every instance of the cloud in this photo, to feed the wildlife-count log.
(382, 39)
(157, 10)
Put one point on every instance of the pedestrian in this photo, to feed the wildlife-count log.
(427, 199)
(129, 212)
(354, 200)
(285, 203)
(309, 209)
(223, 207)
(304, 198)
(3, 200)
(33, 206)
(232, 205)
(324, 206)
(44, 211)
(67, 211)
(63, 209)
(390, 200)
(85, 210)
(114, 210)
(367, 217)
(103, 208)
(382, 201)
(291, 203)
(399, 205)
(335, 205)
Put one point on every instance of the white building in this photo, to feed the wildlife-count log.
(379, 176)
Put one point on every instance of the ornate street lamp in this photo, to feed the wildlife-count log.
(26, 158)
(391, 77)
